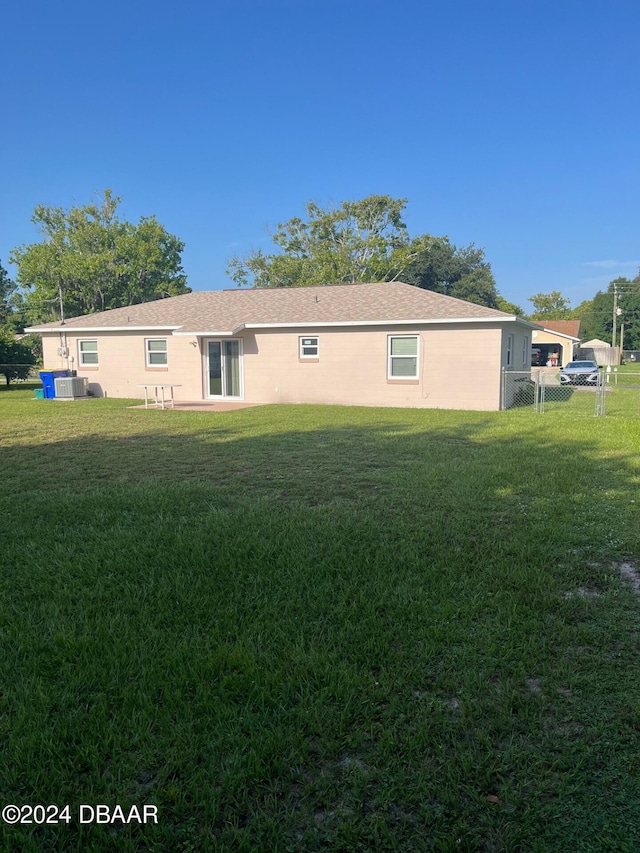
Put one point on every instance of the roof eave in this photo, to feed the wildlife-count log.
(208, 334)
(180, 331)
(560, 334)
(416, 321)
(93, 329)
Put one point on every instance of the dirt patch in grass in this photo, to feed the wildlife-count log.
(534, 686)
(629, 572)
(582, 592)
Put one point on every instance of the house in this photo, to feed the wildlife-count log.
(555, 342)
(382, 344)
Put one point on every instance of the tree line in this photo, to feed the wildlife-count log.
(366, 241)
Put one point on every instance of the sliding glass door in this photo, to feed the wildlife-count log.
(224, 367)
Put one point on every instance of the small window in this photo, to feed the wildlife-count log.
(526, 350)
(403, 357)
(88, 353)
(309, 347)
(156, 350)
(509, 350)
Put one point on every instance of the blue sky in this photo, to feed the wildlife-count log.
(511, 124)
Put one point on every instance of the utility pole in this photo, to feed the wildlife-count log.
(615, 315)
(61, 302)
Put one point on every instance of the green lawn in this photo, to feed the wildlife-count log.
(319, 628)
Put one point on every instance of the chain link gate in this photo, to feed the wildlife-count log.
(578, 399)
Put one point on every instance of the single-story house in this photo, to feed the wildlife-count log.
(382, 344)
(555, 343)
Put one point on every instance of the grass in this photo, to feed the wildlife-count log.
(320, 629)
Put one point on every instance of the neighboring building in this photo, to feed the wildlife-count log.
(600, 351)
(384, 344)
(596, 343)
(554, 344)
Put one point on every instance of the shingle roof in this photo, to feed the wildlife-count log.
(229, 310)
(563, 327)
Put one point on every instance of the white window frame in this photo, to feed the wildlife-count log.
(147, 353)
(509, 350)
(81, 354)
(526, 352)
(392, 358)
(207, 368)
(302, 346)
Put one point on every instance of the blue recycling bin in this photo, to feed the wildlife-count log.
(48, 378)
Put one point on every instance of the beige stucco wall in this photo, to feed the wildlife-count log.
(122, 369)
(459, 365)
(458, 368)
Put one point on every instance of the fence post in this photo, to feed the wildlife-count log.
(600, 394)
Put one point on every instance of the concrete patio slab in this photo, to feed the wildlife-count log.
(204, 406)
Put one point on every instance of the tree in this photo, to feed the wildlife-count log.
(16, 358)
(7, 294)
(629, 305)
(585, 313)
(90, 260)
(12, 305)
(550, 306)
(436, 264)
(362, 241)
(510, 307)
(358, 241)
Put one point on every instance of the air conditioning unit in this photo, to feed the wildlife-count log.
(71, 386)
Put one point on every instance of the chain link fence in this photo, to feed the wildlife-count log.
(621, 392)
(520, 389)
(615, 392)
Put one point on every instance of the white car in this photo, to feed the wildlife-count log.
(580, 373)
